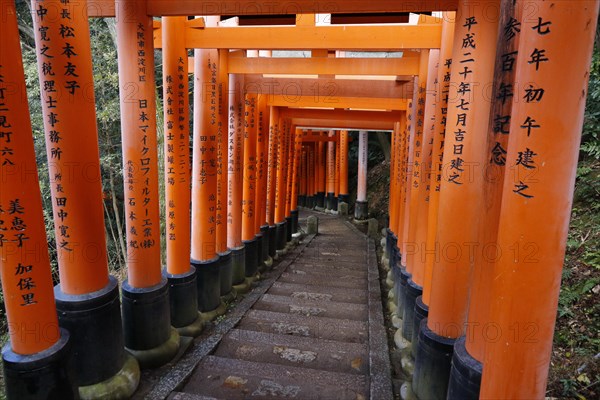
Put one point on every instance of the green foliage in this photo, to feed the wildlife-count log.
(590, 142)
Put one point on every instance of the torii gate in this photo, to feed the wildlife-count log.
(246, 138)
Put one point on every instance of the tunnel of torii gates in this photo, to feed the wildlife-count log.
(485, 111)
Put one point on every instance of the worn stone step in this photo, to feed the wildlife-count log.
(306, 352)
(342, 330)
(328, 270)
(304, 291)
(312, 308)
(333, 280)
(239, 379)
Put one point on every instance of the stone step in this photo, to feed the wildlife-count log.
(327, 270)
(345, 266)
(333, 280)
(239, 379)
(312, 308)
(289, 350)
(342, 330)
(189, 396)
(302, 291)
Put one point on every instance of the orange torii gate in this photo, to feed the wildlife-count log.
(454, 289)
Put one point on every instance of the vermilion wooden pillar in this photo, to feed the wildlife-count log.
(413, 287)
(272, 177)
(462, 183)
(320, 173)
(296, 176)
(421, 179)
(87, 299)
(428, 249)
(361, 207)
(148, 332)
(281, 187)
(545, 132)
(24, 263)
(330, 171)
(262, 142)
(343, 195)
(249, 180)
(210, 266)
(289, 182)
(235, 180)
(469, 349)
(180, 274)
(225, 253)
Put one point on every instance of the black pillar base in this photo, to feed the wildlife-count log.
(465, 374)
(410, 297)
(208, 284)
(147, 329)
(288, 229)
(394, 252)
(225, 273)
(301, 200)
(49, 374)
(183, 298)
(421, 312)
(361, 210)
(310, 202)
(93, 321)
(388, 244)
(238, 262)
(259, 252)
(330, 198)
(432, 364)
(280, 235)
(265, 232)
(320, 199)
(251, 267)
(272, 241)
(344, 198)
(295, 216)
(401, 289)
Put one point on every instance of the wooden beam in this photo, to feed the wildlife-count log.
(325, 66)
(342, 124)
(106, 8)
(359, 103)
(326, 90)
(337, 37)
(341, 114)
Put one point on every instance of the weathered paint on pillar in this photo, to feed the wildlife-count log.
(424, 170)
(68, 106)
(291, 151)
(497, 143)
(138, 137)
(445, 63)
(249, 167)
(461, 195)
(222, 150)
(176, 145)
(234, 162)
(363, 149)
(205, 155)
(272, 164)
(338, 165)
(24, 263)
(545, 133)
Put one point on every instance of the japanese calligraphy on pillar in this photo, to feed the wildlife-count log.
(24, 263)
(138, 133)
(533, 103)
(66, 86)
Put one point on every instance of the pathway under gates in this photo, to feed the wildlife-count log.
(311, 329)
